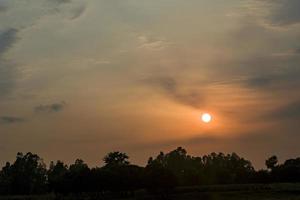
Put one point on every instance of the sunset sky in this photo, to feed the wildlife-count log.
(80, 78)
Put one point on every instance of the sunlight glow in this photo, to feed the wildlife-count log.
(206, 117)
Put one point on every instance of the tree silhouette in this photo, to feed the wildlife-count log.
(119, 176)
(159, 179)
(28, 174)
(78, 177)
(56, 177)
(289, 171)
(186, 168)
(116, 158)
(271, 162)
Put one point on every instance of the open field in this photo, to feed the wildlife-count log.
(282, 191)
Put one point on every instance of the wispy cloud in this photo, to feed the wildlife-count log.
(284, 12)
(77, 11)
(289, 111)
(7, 68)
(49, 108)
(151, 43)
(277, 12)
(7, 39)
(61, 1)
(23, 15)
(171, 88)
(10, 120)
(3, 7)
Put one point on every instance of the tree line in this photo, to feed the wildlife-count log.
(28, 174)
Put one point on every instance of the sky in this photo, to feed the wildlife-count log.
(79, 79)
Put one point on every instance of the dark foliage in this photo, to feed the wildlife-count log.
(29, 175)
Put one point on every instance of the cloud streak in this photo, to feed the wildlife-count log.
(278, 12)
(7, 39)
(77, 12)
(10, 120)
(171, 88)
(61, 1)
(151, 43)
(3, 7)
(24, 16)
(50, 108)
(7, 69)
(285, 12)
(289, 111)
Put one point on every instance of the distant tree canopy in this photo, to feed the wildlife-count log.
(116, 159)
(271, 162)
(29, 175)
(26, 175)
(209, 169)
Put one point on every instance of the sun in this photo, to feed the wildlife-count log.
(206, 117)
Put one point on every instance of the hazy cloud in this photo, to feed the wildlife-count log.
(48, 108)
(7, 69)
(22, 15)
(278, 12)
(10, 119)
(185, 59)
(278, 70)
(259, 81)
(61, 1)
(283, 79)
(3, 7)
(151, 43)
(284, 12)
(297, 51)
(7, 39)
(268, 82)
(290, 111)
(73, 9)
(171, 88)
(77, 11)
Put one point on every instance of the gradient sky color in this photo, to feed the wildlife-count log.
(81, 78)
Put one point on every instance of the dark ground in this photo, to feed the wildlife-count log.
(282, 191)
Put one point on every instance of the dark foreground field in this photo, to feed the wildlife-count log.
(283, 191)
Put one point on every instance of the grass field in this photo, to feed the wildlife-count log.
(285, 191)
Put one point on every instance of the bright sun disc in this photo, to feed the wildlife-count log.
(206, 117)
